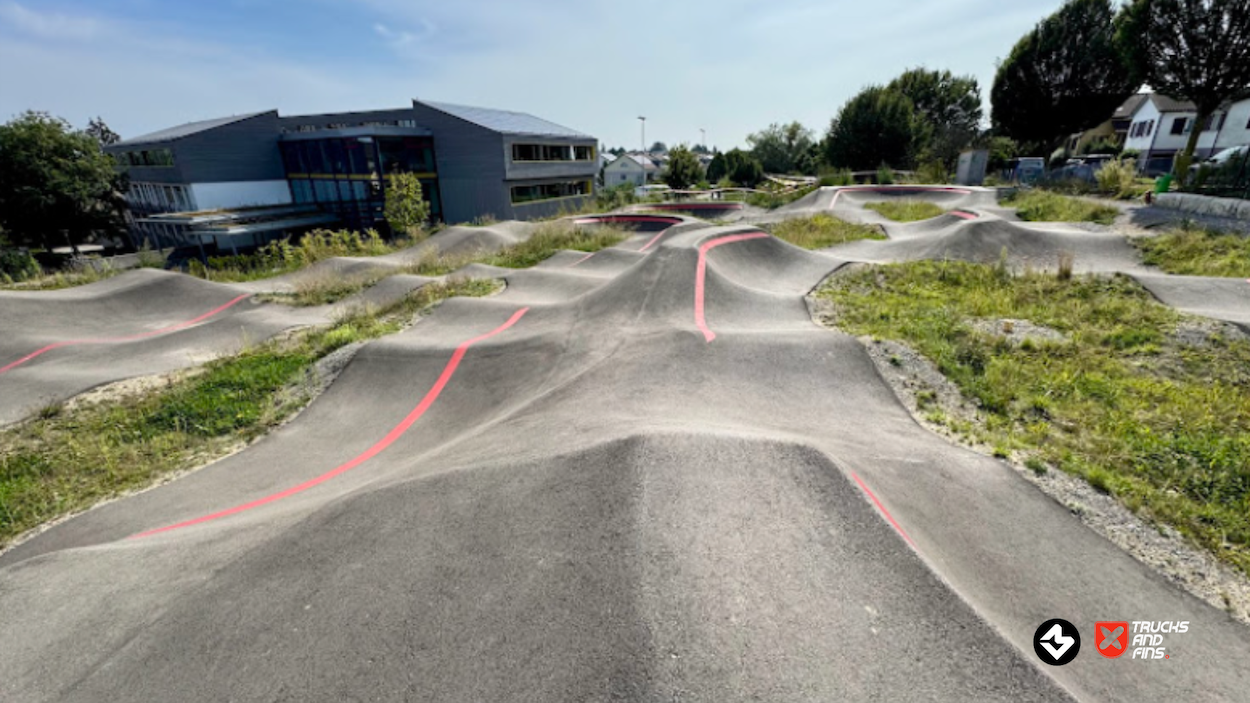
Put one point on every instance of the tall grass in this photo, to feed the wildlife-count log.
(284, 257)
(1163, 426)
(906, 210)
(1198, 252)
(821, 230)
(1044, 206)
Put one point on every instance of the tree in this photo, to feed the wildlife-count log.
(684, 169)
(55, 183)
(1195, 50)
(406, 209)
(717, 168)
(659, 148)
(948, 108)
(876, 127)
(700, 149)
(743, 169)
(779, 148)
(101, 132)
(1063, 77)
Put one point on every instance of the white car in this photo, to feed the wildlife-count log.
(649, 190)
(1222, 157)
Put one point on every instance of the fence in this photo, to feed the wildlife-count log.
(1230, 180)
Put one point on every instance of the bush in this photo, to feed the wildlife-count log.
(18, 265)
(933, 172)
(1118, 179)
(885, 175)
(615, 197)
(841, 177)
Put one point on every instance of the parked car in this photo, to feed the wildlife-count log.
(1220, 158)
(1026, 169)
(649, 190)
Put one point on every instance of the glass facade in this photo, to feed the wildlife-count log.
(552, 152)
(549, 191)
(346, 175)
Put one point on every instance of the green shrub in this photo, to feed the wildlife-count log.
(18, 265)
(841, 177)
(885, 175)
(1118, 179)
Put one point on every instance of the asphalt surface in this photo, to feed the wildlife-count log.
(639, 475)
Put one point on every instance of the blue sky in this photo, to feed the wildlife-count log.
(730, 66)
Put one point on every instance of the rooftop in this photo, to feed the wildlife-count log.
(186, 130)
(504, 121)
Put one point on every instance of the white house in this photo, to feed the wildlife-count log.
(1160, 129)
(634, 169)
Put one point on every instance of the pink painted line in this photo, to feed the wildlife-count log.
(654, 239)
(129, 338)
(901, 189)
(881, 507)
(698, 206)
(627, 218)
(396, 432)
(700, 276)
(581, 260)
(964, 215)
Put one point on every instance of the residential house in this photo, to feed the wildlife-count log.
(1115, 129)
(635, 169)
(1160, 127)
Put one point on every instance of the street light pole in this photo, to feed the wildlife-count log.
(644, 133)
(703, 141)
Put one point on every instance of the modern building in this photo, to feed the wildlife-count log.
(199, 183)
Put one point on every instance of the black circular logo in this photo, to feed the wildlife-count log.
(1056, 642)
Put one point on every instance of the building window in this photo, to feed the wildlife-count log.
(1150, 128)
(549, 191)
(552, 152)
(1180, 125)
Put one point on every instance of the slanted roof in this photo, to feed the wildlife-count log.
(1130, 106)
(1166, 104)
(505, 121)
(186, 130)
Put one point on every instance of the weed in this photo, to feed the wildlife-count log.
(1197, 252)
(1036, 465)
(1044, 206)
(906, 210)
(820, 231)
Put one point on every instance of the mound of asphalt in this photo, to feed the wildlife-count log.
(566, 491)
(57, 344)
(1226, 299)
(986, 239)
(464, 239)
(707, 210)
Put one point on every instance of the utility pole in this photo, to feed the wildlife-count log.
(644, 133)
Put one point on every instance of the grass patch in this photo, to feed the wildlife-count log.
(1163, 427)
(282, 257)
(67, 458)
(906, 210)
(821, 230)
(1197, 252)
(1044, 206)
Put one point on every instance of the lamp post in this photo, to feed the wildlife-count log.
(643, 120)
(703, 140)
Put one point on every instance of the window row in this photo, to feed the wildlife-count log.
(344, 125)
(359, 156)
(549, 191)
(147, 157)
(159, 197)
(1142, 129)
(552, 152)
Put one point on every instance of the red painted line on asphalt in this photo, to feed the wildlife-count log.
(396, 432)
(700, 276)
(129, 338)
(654, 239)
(903, 189)
(697, 206)
(964, 215)
(581, 260)
(881, 507)
(610, 219)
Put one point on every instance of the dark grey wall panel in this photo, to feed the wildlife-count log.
(470, 170)
(246, 150)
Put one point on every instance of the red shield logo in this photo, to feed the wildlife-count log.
(1111, 638)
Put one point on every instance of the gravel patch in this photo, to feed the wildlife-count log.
(1201, 332)
(1017, 331)
(937, 404)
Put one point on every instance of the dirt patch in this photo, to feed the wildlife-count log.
(1202, 332)
(1018, 331)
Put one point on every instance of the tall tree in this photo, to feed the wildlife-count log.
(876, 127)
(717, 169)
(683, 169)
(1063, 77)
(743, 169)
(779, 148)
(1195, 50)
(659, 148)
(55, 183)
(949, 110)
(101, 132)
